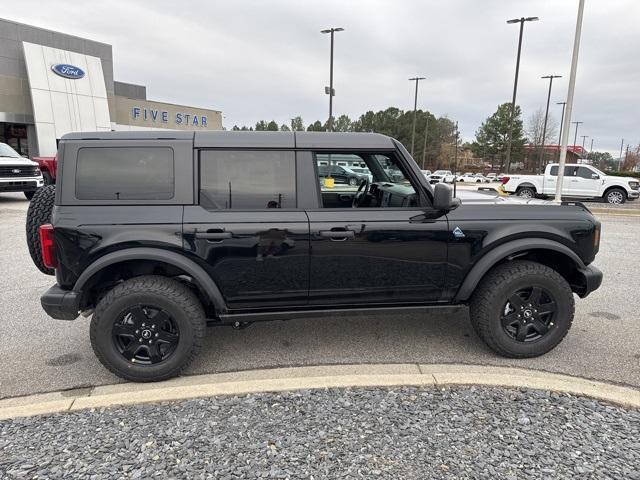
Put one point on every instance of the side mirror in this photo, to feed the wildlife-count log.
(443, 197)
(595, 176)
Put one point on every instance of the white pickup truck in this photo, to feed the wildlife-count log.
(580, 181)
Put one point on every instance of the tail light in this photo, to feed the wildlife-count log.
(505, 180)
(47, 246)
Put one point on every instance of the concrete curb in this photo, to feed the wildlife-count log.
(617, 212)
(282, 379)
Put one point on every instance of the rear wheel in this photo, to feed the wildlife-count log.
(526, 192)
(616, 196)
(522, 309)
(39, 213)
(148, 329)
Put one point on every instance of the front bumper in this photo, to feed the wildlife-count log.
(61, 304)
(21, 184)
(633, 194)
(590, 280)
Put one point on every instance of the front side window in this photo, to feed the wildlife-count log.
(584, 172)
(125, 173)
(247, 179)
(360, 180)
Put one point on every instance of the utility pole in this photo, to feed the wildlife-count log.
(591, 148)
(584, 137)
(546, 116)
(415, 111)
(570, 93)
(515, 86)
(424, 148)
(561, 125)
(620, 157)
(575, 137)
(330, 91)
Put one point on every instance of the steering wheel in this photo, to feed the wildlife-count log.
(363, 190)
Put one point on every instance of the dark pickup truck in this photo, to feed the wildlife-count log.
(157, 234)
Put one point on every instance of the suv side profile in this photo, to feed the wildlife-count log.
(155, 235)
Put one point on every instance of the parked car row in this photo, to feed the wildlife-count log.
(17, 173)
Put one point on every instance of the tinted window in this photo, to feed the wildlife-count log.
(125, 173)
(568, 171)
(247, 179)
(584, 172)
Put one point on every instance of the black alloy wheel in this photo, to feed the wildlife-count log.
(145, 335)
(529, 314)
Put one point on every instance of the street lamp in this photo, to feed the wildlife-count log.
(575, 137)
(330, 91)
(561, 121)
(546, 114)
(515, 83)
(415, 110)
(584, 137)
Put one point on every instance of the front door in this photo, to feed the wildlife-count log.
(247, 229)
(373, 244)
(585, 185)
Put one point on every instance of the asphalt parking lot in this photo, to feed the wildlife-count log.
(41, 354)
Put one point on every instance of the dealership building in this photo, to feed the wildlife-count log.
(52, 83)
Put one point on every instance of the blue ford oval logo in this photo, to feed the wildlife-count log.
(68, 71)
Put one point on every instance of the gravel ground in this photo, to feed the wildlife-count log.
(462, 432)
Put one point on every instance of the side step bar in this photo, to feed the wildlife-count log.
(244, 317)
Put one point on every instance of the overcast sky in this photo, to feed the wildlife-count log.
(267, 59)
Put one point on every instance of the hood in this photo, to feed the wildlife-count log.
(487, 197)
(17, 161)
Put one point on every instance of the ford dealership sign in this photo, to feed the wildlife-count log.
(67, 71)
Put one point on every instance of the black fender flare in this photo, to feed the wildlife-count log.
(492, 257)
(164, 256)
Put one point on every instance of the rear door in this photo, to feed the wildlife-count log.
(247, 229)
(392, 251)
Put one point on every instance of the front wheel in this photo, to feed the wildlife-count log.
(522, 309)
(616, 196)
(353, 181)
(148, 329)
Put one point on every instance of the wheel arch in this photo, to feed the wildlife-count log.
(527, 185)
(614, 187)
(548, 252)
(133, 262)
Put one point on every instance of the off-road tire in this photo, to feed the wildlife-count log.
(173, 297)
(492, 294)
(39, 213)
(29, 195)
(48, 179)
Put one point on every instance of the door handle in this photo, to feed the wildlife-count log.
(337, 235)
(216, 234)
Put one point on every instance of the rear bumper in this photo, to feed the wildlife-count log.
(61, 304)
(591, 279)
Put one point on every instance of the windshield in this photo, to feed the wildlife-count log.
(7, 151)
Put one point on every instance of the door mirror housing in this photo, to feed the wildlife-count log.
(595, 176)
(443, 197)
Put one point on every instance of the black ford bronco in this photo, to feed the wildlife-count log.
(158, 234)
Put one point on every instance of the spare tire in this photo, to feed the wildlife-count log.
(39, 213)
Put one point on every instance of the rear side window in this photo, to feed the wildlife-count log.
(247, 179)
(568, 171)
(125, 173)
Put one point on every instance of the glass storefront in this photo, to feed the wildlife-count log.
(15, 135)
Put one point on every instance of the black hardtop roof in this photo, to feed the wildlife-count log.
(235, 139)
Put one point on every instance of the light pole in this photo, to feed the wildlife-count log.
(561, 121)
(424, 148)
(330, 91)
(584, 137)
(570, 93)
(515, 84)
(415, 110)
(546, 115)
(575, 137)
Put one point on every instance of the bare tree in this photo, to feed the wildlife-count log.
(535, 126)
